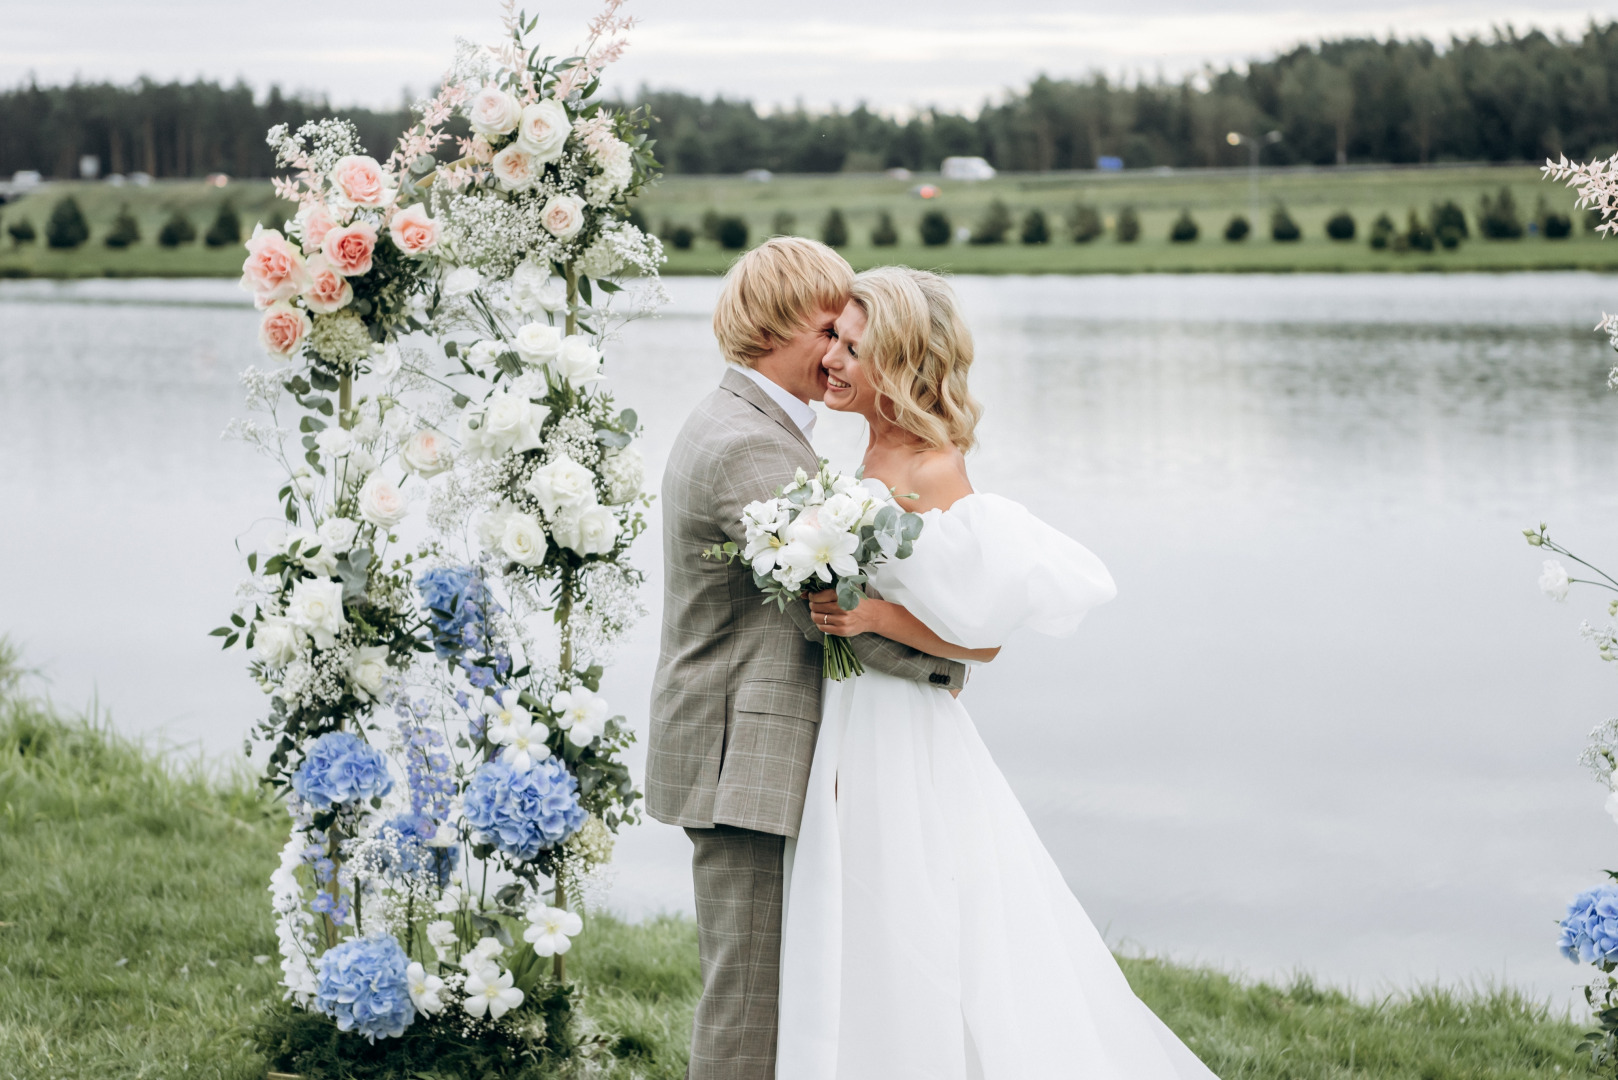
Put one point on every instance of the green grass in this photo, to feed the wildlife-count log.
(1211, 196)
(109, 853)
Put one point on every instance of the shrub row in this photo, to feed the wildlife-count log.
(66, 228)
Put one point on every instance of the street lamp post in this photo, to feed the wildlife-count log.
(1255, 145)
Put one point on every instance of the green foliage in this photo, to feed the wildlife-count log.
(710, 224)
(1083, 223)
(1034, 228)
(226, 229)
(1448, 217)
(1282, 227)
(885, 234)
(1382, 232)
(682, 237)
(1498, 220)
(125, 230)
(1554, 225)
(1340, 226)
(66, 229)
(21, 231)
(1237, 228)
(1128, 228)
(993, 226)
(936, 230)
(731, 232)
(176, 230)
(1184, 230)
(785, 223)
(1417, 236)
(834, 230)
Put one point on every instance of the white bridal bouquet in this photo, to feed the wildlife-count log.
(822, 532)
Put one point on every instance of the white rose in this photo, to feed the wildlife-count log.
(385, 364)
(368, 670)
(314, 552)
(538, 343)
(522, 540)
(563, 216)
(335, 442)
(304, 481)
(425, 453)
(484, 355)
(382, 504)
(516, 168)
(1554, 580)
(461, 281)
(842, 512)
(562, 484)
(543, 129)
(441, 933)
(339, 533)
(592, 531)
(276, 642)
(578, 361)
(624, 473)
(512, 422)
(316, 607)
(532, 287)
(492, 111)
(492, 525)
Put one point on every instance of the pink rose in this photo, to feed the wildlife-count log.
(349, 248)
(412, 230)
(274, 270)
(515, 168)
(328, 290)
(316, 221)
(283, 329)
(563, 216)
(361, 181)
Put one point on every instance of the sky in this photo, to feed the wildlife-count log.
(895, 55)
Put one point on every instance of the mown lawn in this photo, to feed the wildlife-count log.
(133, 915)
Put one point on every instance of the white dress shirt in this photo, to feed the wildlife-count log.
(798, 411)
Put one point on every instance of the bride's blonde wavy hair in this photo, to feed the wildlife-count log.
(916, 351)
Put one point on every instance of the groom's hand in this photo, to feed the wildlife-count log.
(829, 618)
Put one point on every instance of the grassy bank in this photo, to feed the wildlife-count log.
(1211, 197)
(133, 906)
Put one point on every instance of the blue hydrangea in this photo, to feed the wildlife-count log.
(363, 985)
(458, 605)
(405, 853)
(341, 768)
(524, 811)
(1590, 931)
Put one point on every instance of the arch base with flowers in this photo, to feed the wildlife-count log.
(453, 775)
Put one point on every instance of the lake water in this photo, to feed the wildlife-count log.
(1328, 725)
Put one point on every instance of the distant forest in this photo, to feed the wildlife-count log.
(1507, 98)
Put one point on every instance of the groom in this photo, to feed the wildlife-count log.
(736, 701)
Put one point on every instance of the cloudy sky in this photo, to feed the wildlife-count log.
(893, 54)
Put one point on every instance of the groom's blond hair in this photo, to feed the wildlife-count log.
(771, 292)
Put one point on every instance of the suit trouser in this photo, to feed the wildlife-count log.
(738, 876)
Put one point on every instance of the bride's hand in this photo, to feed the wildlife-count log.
(867, 618)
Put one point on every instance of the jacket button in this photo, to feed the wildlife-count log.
(938, 678)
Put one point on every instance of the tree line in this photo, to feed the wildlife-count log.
(1508, 97)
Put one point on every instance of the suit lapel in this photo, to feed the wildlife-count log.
(754, 395)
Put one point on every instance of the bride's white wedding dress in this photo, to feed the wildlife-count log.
(927, 932)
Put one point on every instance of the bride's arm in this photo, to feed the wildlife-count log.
(889, 620)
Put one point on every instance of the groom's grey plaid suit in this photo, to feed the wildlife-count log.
(735, 712)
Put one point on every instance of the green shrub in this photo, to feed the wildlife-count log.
(125, 230)
(1417, 237)
(682, 237)
(1382, 232)
(1340, 226)
(1184, 230)
(993, 226)
(1553, 225)
(1128, 228)
(1498, 219)
(834, 230)
(783, 224)
(884, 235)
(1447, 216)
(1237, 228)
(66, 228)
(176, 230)
(731, 233)
(1282, 227)
(1083, 223)
(226, 228)
(936, 229)
(1034, 228)
(22, 232)
(710, 224)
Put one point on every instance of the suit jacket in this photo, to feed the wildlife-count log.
(736, 700)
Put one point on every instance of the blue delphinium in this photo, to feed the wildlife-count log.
(363, 984)
(405, 851)
(1590, 931)
(524, 811)
(341, 768)
(427, 771)
(458, 605)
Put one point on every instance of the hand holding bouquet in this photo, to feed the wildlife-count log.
(822, 531)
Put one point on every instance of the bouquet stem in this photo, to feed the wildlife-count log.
(839, 660)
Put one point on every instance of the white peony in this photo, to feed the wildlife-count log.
(335, 442)
(277, 642)
(591, 531)
(625, 473)
(368, 670)
(538, 343)
(386, 362)
(339, 533)
(484, 356)
(441, 933)
(366, 430)
(516, 168)
(562, 484)
(1554, 580)
(489, 990)
(381, 503)
(563, 216)
(316, 607)
(492, 111)
(424, 989)
(461, 281)
(578, 361)
(580, 713)
(843, 511)
(543, 129)
(551, 930)
(425, 453)
(522, 540)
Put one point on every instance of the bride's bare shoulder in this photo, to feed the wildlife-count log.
(936, 478)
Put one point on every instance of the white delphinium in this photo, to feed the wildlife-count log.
(581, 713)
(294, 924)
(551, 930)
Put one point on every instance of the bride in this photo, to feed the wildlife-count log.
(927, 932)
